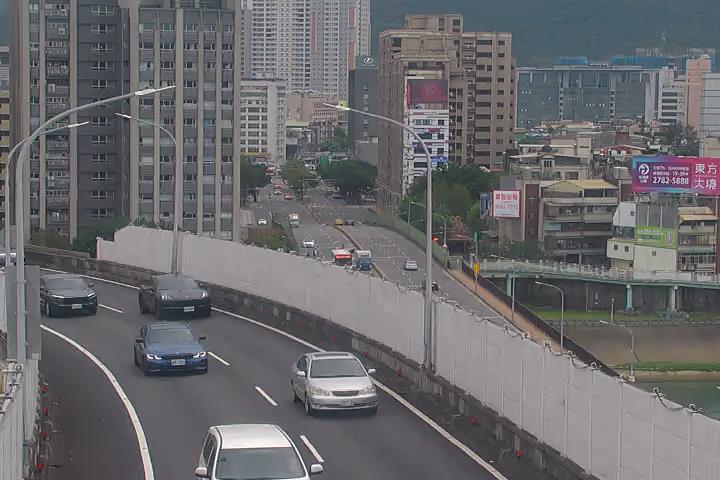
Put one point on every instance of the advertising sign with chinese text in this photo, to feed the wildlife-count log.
(656, 237)
(676, 175)
(506, 204)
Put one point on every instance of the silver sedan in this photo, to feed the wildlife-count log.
(333, 381)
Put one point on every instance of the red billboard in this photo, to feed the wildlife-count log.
(676, 175)
(427, 93)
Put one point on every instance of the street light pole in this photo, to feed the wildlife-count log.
(427, 327)
(632, 346)
(9, 182)
(20, 209)
(562, 313)
(177, 203)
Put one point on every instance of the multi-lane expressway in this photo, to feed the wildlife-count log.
(247, 382)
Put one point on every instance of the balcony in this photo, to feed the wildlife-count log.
(56, 13)
(57, 201)
(60, 183)
(57, 52)
(58, 71)
(55, 108)
(58, 163)
(60, 90)
(598, 217)
(57, 144)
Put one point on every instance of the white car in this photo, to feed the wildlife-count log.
(410, 265)
(251, 451)
(262, 221)
(308, 243)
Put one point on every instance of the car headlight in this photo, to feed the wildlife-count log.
(164, 296)
(59, 297)
(204, 294)
(92, 295)
(321, 392)
(150, 356)
(200, 355)
(368, 390)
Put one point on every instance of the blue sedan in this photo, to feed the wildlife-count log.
(169, 346)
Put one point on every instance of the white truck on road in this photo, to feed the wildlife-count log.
(294, 220)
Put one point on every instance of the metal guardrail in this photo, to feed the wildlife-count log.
(571, 270)
(548, 329)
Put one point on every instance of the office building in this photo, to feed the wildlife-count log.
(672, 91)
(5, 144)
(312, 107)
(710, 106)
(74, 52)
(471, 74)
(695, 70)
(263, 119)
(339, 32)
(363, 96)
(596, 93)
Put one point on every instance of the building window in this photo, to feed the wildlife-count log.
(167, 64)
(98, 195)
(100, 212)
(102, 10)
(615, 247)
(227, 28)
(627, 249)
(99, 84)
(100, 122)
(167, 46)
(101, 139)
(101, 28)
(101, 176)
(102, 66)
(100, 47)
(189, 121)
(167, 27)
(190, 84)
(99, 158)
(191, 159)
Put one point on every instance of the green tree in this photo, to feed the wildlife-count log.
(350, 176)
(339, 142)
(295, 175)
(86, 241)
(50, 239)
(251, 177)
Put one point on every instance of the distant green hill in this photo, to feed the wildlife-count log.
(545, 29)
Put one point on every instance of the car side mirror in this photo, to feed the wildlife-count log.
(371, 371)
(138, 340)
(301, 373)
(202, 337)
(201, 472)
(316, 469)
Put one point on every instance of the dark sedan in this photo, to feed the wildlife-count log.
(167, 347)
(67, 294)
(166, 294)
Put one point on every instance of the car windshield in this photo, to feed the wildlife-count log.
(176, 283)
(175, 335)
(69, 283)
(337, 367)
(258, 464)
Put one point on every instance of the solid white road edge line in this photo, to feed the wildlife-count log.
(111, 308)
(266, 396)
(134, 419)
(219, 359)
(430, 422)
(312, 449)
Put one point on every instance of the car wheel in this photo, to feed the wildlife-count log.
(309, 411)
(158, 311)
(296, 399)
(373, 411)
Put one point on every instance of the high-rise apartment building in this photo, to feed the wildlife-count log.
(672, 91)
(4, 122)
(710, 106)
(339, 32)
(695, 70)
(279, 35)
(363, 96)
(477, 71)
(71, 52)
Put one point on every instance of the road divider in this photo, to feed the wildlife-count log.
(219, 359)
(312, 449)
(266, 396)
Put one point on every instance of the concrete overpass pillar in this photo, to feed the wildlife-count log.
(628, 298)
(672, 295)
(508, 285)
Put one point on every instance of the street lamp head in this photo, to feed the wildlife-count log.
(128, 117)
(150, 91)
(76, 125)
(337, 107)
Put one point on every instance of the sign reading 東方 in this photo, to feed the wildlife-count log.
(676, 175)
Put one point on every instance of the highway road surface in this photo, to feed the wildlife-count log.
(175, 411)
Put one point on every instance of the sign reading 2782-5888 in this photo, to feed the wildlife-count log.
(676, 175)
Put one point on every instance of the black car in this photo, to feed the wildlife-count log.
(350, 222)
(171, 293)
(67, 294)
(435, 286)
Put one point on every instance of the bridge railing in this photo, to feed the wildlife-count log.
(600, 273)
(607, 427)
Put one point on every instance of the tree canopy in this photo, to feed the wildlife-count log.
(294, 172)
(350, 176)
(86, 241)
(339, 142)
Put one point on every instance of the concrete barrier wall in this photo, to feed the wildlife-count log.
(607, 427)
(11, 454)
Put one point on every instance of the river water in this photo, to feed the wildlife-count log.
(705, 395)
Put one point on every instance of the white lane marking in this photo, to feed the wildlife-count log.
(219, 359)
(111, 308)
(427, 420)
(312, 449)
(134, 419)
(266, 396)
